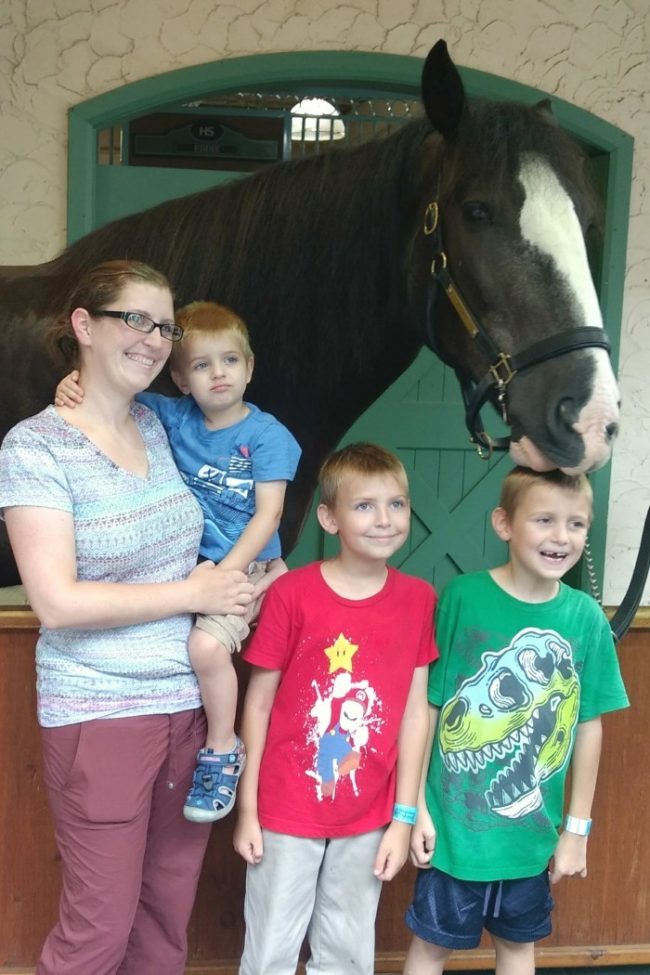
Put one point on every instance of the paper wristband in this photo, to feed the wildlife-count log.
(405, 814)
(580, 826)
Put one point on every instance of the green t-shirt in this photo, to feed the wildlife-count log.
(512, 682)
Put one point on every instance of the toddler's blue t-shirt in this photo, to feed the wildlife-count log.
(221, 467)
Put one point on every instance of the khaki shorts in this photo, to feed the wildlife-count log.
(231, 630)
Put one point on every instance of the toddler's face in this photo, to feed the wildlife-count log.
(215, 370)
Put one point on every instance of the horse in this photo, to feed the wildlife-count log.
(466, 230)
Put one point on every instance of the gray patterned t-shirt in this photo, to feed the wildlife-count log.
(127, 529)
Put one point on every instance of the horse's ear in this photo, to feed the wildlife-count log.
(443, 93)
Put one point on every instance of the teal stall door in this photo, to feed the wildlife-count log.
(453, 490)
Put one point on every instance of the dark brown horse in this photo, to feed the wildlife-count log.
(330, 262)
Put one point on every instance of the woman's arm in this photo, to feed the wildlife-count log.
(43, 544)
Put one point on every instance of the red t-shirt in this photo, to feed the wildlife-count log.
(328, 767)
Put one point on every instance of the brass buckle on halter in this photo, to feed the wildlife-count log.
(503, 362)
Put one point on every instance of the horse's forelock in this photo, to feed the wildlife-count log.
(494, 135)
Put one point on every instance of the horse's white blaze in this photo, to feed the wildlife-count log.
(548, 222)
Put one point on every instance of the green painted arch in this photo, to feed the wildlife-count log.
(387, 73)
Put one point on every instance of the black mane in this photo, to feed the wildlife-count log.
(338, 223)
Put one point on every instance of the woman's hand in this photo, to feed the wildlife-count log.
(217, 592)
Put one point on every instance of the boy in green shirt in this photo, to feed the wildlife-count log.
(527, 666)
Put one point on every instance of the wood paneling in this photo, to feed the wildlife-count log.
(604, 919)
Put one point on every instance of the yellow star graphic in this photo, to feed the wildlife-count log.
(340, 654)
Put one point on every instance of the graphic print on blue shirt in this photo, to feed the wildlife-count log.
(233, 487)
(238, 476)
(221, 467)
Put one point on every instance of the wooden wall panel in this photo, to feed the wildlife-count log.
(604, 919)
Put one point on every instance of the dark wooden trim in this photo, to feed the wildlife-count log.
(22, 618)
(391, 963)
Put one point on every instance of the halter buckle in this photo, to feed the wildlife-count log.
(501, 379)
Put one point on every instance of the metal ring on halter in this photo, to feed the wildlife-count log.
(483, 450)
(443, 263)
(430, 218)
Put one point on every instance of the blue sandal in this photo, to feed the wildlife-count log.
(213, 791)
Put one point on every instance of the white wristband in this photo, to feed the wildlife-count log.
(580, 826)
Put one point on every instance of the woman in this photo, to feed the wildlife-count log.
(106, 535)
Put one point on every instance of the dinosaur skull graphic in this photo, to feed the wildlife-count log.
(513, 720)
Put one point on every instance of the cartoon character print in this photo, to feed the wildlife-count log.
(509, 727)
(344, 713)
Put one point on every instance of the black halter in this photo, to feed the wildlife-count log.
(502, 366)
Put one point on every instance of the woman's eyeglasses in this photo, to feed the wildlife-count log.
(142, 323)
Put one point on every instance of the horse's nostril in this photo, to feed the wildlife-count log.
(611, 431)
(566, 412)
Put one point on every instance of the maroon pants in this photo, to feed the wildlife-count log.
(131, 862)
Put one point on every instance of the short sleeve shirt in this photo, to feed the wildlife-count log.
(127, 529)
(328, 768)
(221, 467)
(513, 681)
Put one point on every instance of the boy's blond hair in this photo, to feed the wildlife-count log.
(357, 459)
(208, 318)
(520, 479)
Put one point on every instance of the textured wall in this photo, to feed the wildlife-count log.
(594, 53)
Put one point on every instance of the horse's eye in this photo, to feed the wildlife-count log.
(477, 212)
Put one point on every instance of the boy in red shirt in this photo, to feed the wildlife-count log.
(335, 722)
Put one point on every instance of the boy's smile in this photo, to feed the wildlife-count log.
(547, 532)
(371, 516)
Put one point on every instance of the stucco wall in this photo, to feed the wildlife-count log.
(594, 53)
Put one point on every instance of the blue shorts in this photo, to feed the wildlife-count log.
(453, 913)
